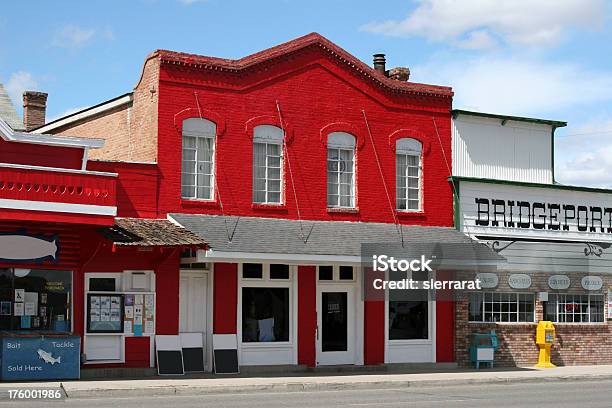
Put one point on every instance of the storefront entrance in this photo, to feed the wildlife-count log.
(193, 314)
(335, 324)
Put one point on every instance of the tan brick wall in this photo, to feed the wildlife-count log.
(130, 131)
(575, 344)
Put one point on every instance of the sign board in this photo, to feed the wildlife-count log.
(559, 282)
(193, 352)
(104, 313)
(225, 354)
(539, 212)
(40, 358)
(169, 355)
(488, 280)
(18, 247)
(519, 281)
(591, 282)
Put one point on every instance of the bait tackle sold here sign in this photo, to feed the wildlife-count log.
(40, 358)
(535, 212)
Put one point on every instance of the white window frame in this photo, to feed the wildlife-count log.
(517, 313)
(266, 282)
(414, 148)
(207, 130)
(588, 313)
(336, 274)
(341, 141)
(269, 135)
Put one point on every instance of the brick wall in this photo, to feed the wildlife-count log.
(575, 344)
(130, 130)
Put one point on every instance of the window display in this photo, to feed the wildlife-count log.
(265, 314)
(35, 299)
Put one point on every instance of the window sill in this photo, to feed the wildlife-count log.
(193, 202)
(342, 210)
(410, 214)
(273, 207)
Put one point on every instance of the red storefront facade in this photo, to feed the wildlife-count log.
(187, 142)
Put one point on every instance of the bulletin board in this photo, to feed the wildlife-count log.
(139, 314)
(104, 313)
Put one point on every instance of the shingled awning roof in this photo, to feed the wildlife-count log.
(320, 240)
(150, 232)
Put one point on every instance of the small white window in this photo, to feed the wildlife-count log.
(408, 174)
(340, 170)
(197, 176)
(267, 164)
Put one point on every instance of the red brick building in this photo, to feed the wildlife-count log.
(284, 161)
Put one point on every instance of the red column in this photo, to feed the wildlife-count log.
(374, 332)
(225, 298)
(307, 315)
(445, 322)
(167, 281)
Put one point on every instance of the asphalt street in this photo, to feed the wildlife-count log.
(541, 394)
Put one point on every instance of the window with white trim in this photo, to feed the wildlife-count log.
(267, 164)
(198, 167)
(340, 170)
(408, 158)
(501, 307)
(567, 308)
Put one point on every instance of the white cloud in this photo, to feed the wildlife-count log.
(517, 85)
(534, 23)
(584, 154)
(72, 36)
(19, 82)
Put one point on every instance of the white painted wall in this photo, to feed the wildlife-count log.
(516, 151)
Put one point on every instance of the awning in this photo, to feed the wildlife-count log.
(150, 232)
(273, 239)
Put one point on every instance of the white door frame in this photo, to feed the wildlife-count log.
(339, 357)
(209, 275)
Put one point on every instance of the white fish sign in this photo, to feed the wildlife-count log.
(48, 358)
(20, 247)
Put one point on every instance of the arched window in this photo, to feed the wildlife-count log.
(340, 170)
(408, 154)
(267, 164)
(198, 162)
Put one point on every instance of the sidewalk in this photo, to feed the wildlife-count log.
(186, 386)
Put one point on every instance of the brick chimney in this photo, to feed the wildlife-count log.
(34, 109)
(399, 74)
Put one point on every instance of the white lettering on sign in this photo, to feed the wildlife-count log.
(592, 282)
(559, 282)
(487, 280)
(519, 281)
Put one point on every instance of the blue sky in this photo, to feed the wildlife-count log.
(542, 58)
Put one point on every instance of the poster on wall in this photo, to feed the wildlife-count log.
(104, 313)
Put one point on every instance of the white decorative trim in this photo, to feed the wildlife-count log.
(57, 169)
(10, 135)
(293, 259)
(86, 113)
(58, 207)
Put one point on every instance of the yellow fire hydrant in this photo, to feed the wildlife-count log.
(545, 337)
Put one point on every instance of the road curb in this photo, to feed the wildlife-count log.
(312, 386)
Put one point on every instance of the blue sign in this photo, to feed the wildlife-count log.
(40, 358)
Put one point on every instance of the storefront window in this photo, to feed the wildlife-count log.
(35, 299)
(563, 308)
(265, 314)
(501, 307)
(408, 320)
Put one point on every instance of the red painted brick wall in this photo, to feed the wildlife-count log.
(313, 92)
